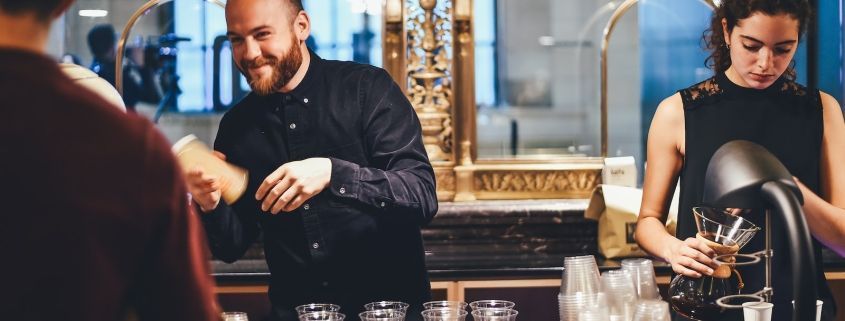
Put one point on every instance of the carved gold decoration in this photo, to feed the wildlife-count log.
(535, 183)
(432, 51)
(445, 177)
(429, 76)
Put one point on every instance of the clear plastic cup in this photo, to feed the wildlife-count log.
(618, 286)
(458, 305)
(652, 310)
(322, 316)
(642, 274)
(494, 315)
(393, 305)
(594, 314)
(444, 314)
(570, 306)
(317, 307)
(580, 275)
(234, 316)
(382, 315)
(491, 304)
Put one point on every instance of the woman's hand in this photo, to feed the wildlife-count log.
(690, 257)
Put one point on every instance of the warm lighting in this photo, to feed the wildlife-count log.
(463, 9)
(93, 13)
(393, 11)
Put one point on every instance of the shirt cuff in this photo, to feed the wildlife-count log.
(214, 215)
(345, 181)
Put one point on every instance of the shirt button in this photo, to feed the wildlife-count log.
(305, 100)
(342, 190)
(325, 283)
(292, 126)
(306, 207)
(287, 97)
(315, 245)
(381, 204)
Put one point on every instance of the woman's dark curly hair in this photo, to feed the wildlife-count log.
(733, 11)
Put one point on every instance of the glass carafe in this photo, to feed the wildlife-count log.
(726, 234)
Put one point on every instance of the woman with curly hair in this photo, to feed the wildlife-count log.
(752, 96)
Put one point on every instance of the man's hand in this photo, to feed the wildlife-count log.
(294, 183)
(204, 188)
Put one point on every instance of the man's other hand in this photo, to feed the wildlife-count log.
(289, 186)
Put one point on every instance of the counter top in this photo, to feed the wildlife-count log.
(492, 240)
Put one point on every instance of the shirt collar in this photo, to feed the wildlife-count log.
(303, 91)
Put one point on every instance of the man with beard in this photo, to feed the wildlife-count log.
(339, 180)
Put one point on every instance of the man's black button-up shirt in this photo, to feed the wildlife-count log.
(357, 241)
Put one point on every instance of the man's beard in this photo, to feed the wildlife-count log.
(282, 72)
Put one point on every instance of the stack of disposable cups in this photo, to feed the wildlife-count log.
(642, 273)
(652, 310)
(594, 314)
(618, 286)
(580, 288)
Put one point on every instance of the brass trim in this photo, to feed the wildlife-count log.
(121, 44)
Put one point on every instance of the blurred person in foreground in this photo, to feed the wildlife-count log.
(80, 240)
(339, 179)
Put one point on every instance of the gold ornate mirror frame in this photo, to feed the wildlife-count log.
(429, 51)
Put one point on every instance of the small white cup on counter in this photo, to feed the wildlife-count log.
(757, 311)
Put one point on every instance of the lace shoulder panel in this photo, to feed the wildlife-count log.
(792, 88)
(798, 93)
(702, 92)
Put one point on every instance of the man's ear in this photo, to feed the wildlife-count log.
(302, 25)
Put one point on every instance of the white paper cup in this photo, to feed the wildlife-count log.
(757, 311)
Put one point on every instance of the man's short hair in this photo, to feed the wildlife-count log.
(43, 9)
(101, 39)
(296, 5)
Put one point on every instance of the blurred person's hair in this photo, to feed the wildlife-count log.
(101, 39)
(43, 9)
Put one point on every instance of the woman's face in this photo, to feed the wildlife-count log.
(761, 48)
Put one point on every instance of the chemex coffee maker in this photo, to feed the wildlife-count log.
(744, 175)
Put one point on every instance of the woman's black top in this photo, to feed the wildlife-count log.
(785, 118)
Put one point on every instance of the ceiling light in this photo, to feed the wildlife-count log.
(93, 13)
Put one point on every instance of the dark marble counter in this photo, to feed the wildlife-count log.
(491, 240)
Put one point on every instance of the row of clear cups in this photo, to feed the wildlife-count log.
(483, 310)
(375, 311)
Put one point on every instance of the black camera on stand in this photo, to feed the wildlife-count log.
(161, 54)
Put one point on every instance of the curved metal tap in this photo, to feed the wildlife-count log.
(121, 44)
(605, 42)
